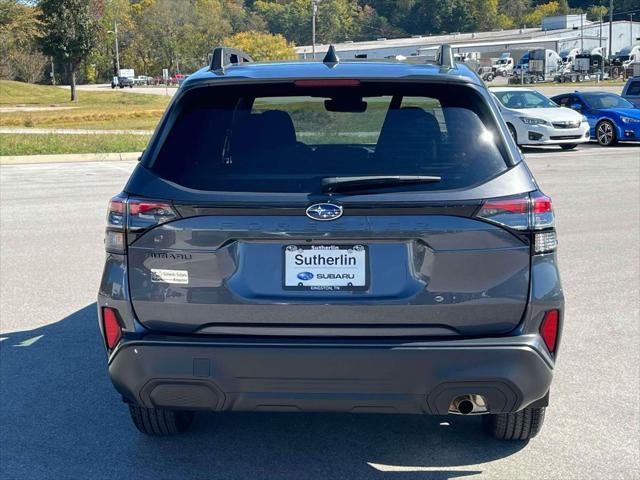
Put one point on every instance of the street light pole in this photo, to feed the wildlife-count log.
(314, 13)
(115, 34)
(581, 32)
(609, 52)
(115, 30)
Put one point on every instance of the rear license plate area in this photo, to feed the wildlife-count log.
(326, 267)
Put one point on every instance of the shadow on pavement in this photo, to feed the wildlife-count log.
(555, 149)
(61, 418)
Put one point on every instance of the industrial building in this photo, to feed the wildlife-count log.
(558, 33)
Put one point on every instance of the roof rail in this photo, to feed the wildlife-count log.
(444, 58)
(223, 57)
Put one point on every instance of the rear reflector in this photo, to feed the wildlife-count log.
(549, 329)
(112, 329)
(330, 82)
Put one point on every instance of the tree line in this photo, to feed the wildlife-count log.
(78, 37)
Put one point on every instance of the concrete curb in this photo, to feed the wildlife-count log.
(68, 158)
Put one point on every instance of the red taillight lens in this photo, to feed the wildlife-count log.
(549, 329)
(140, 207)
(541, 211)
(147, 213)
(112, 329)
(510, 212)
(116, 211)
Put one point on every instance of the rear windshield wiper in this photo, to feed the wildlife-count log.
(347, 184)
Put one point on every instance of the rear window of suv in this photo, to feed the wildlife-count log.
(289, 137)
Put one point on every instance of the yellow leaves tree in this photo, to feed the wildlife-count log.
(262, 46)
(534, 18)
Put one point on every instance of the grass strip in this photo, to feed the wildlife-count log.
(18, 144)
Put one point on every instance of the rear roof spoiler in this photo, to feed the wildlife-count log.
(223, 57)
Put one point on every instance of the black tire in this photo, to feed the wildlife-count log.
(159, 421)
(606, 133)
(522, 425)
(568, 146)
(513, 133)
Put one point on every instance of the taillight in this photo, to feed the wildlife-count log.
(511, 212)
(114, 237)
(112, 328)
(133, 215)
(549, 329)
(530, 212)
(143, 214)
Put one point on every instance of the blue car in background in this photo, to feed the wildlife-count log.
(612, 118)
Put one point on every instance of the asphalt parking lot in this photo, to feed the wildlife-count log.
(60, 417)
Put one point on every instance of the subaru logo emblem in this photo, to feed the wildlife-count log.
(324, 211)
(305, 275)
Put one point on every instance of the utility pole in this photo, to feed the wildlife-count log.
(581, 32)
(115, 34)
(314, 13)
(53, 73)
(609, 52)
(631, 29)
(600, 39)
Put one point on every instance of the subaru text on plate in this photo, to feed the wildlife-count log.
(332, 236)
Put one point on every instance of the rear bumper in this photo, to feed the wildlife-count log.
(408, 377)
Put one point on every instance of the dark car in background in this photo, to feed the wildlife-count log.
(122, 82)
(611, 118)
(631, 91)
(337, 237)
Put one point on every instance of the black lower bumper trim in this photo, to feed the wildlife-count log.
(407, 378)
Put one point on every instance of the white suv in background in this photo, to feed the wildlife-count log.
(534, 119)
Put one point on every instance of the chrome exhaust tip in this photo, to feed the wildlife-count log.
(469, 405)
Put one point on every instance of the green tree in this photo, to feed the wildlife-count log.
(262, 46)
(69, 33)
(515, 9)
(20, 58)
(337, 20)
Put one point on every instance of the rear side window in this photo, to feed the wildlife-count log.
(288, 138)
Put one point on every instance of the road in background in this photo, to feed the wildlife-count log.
(61, 418)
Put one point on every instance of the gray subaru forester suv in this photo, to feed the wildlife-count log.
(332, 236)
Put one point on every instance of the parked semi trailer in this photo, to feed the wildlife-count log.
(539, 65)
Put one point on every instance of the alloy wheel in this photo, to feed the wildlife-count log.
(605, 134)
